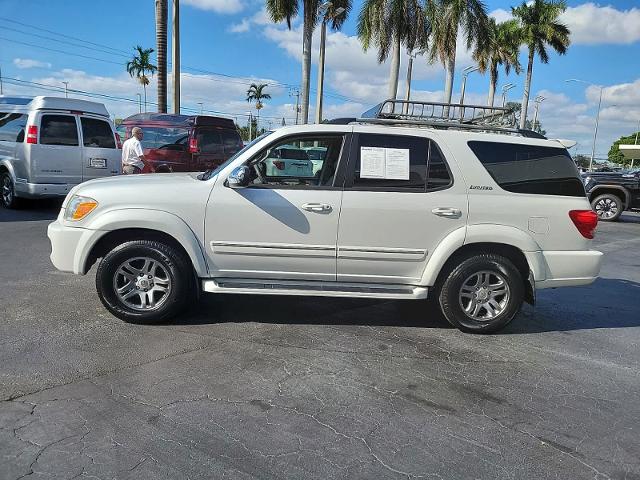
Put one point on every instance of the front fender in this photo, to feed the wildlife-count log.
(157, 220)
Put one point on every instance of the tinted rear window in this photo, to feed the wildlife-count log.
(165, 138)
(97, 133)
(530, 168)
(58, 130)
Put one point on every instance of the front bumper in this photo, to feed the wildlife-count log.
(568, 268)
(70, 246)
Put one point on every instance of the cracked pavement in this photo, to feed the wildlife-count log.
(288, 387)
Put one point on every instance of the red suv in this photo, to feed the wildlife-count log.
(183, 143)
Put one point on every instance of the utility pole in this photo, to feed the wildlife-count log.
(296, 93)
(175, 51)
(1, 92)
(250, 126)
(139, 103)
(539, 99)
(66, 85)
(201, 106)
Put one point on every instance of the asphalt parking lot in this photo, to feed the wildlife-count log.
(279, 387)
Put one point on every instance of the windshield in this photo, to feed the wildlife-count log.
(210, 173)
(165, 137)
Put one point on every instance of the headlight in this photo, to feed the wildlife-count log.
(587, 180)
(79, 207)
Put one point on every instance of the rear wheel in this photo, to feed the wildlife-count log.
(608, 207)
(482, 294)
(144, 281)
(7, 191)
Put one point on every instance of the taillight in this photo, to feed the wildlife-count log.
(278, 164)
(193, 145)
(118, 141)
(32, 134)
(585, 221)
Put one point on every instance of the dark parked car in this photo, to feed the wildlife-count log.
(183, 143)
(611, 193)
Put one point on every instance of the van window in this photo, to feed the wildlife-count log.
(530, 168)
(97, 133)
(58, 130)
(12, 126)
(209, 141)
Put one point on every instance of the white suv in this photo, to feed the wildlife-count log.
(475, 215)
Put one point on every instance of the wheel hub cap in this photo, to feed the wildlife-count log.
(484, 295)
(142, 283)
(606, 208)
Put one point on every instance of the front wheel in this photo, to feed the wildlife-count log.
(482, 294)
(144, 281)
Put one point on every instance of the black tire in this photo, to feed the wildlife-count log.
(608, 207)
(499, 269)
(177, 269)
(8, 197)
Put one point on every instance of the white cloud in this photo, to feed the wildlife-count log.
(501, 15)
(241, 27)
(592, 24)
(260, 18)
(218, 6)
(24, 63)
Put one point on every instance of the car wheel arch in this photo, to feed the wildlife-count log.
(612, 190)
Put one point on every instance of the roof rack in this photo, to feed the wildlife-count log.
(446, 115)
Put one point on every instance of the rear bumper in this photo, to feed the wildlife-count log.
(568, 268)
(40, 190)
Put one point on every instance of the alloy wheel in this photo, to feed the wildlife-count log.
(484, 295)
(606, 208)
(7, 190)
(142, 283)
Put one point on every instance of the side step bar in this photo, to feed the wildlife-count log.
(320, 289)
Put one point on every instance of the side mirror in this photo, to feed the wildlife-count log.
(239, 178)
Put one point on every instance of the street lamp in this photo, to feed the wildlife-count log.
(325, 12)
(412, 55)
(595, 131)
(66, 85)
(538, 100)
(201, 106)
(466, 71)
(505, 89)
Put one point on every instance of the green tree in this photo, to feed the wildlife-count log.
(256, 94)
(448, 17)
(390, 24)
(582, 160)
(516, 107)
(615, 155)
(280, 10)
(540, 28)
(139, 66)
(500, 48)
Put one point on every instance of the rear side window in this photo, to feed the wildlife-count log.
(58, 130)
(12, 126)
(399, 163)
(97, 133)
(530, 168)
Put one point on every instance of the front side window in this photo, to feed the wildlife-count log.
(12, 126)
(530, 168)
(58, 130)
(300, 161)
(97, 133)
(398, 163)
(165, 138)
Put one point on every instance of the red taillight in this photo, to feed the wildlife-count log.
(278, 164)
(118, 141)
(32, 134)
(585, 221)
(193, 145)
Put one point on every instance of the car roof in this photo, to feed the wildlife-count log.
(171, 119)
(55, 103)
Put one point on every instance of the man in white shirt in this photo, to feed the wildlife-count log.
(132, 154)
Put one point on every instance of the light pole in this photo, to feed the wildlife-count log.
(325, 12)
(538, 100)
(139, 103)
(595, 131)
(505, 89)
(250, 125)
(201, 106)
(466, 71)
(66, 86)
(412, 55)
(294, 92)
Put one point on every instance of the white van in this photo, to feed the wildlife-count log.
(49, 144)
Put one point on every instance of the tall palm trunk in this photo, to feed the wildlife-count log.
(161, 49)
(306, 62)
(527, 87)
(493, 81)
(448, 82)
(395, 68)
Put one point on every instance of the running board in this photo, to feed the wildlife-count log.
(319, 289)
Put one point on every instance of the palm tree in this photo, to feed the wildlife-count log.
(447, 16)
(280, 10)
(389, 24)
(255, 94)
(501, 48)
(161, 45)
(540, 28)
(139, 66)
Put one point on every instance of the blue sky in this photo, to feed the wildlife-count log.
(227, 43)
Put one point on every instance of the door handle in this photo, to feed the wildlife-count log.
(317, 207)
(448, 212)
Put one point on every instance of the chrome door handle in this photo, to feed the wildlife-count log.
(448, 212)
(316, 207)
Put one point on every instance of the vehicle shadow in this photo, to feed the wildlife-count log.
(628, 217)
(32, 211)
(609, 303)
